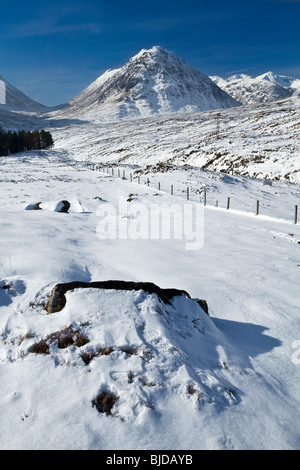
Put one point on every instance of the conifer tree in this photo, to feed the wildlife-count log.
(13, 141)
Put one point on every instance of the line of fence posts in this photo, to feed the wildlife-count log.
(93, 167)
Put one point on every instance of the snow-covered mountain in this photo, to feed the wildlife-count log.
(153, 81)
(249, 90)
(282, 80)
(16, 100)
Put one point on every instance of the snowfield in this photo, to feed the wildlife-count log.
(260, 141)
(173, 376)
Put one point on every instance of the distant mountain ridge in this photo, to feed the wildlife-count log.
(261, 89)
(155, 81)
(282, 80)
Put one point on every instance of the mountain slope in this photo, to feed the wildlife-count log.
(248, 90)
(15, 100)
(153, 81)
(260, 141)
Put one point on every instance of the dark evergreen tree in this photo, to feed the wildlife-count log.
(47, 141)
(13, 142)
(3, 142)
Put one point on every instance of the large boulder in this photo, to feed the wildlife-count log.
(57, 298)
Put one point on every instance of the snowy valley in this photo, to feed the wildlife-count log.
(163, 343)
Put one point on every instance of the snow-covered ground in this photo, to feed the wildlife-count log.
(182, 379)
(260, 141)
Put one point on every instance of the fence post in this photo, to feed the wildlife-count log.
(139, 179)
(296, 213)
(171, 190)
(204, 199)
(124, 174)
(257, 207)
(228, 202)
(188, 193)
(130, 177)
(148, 181)
(159, 186)
(112, 171)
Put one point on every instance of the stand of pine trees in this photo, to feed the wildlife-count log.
(18, 141)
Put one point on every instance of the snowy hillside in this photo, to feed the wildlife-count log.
(154, 81)
(248, 90)
(145, 368)
(15, 100)
(260, 141)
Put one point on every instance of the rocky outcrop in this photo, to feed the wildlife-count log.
(57, 298)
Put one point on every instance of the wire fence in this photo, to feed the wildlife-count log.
(253, 205)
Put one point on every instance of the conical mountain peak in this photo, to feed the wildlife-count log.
(154, 81)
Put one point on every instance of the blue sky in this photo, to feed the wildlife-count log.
(52, 50)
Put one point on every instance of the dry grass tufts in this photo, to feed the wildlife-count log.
(193, 391)
(145, 381)
(67, 337)
(129, 350)
(63, 338)
(87, 356)
(104, 402)
(42, 347)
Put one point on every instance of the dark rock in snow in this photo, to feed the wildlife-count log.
(57, 299)
(203, 305)
(63, 206)
(37, 207)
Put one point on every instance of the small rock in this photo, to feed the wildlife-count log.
(63, 206)
(37, 207)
